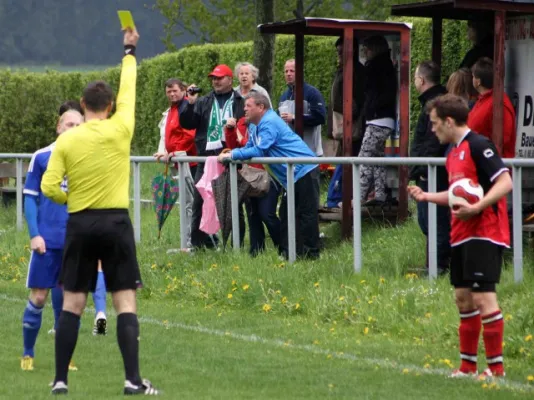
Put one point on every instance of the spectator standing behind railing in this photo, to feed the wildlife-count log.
(480, 33)
(314, 117)
(174, 138)
(274, 138)
(481, 116)
(426, 144)
(460, 83)
(380, 114)
(260, 210)
(208, 115)
(247, 74)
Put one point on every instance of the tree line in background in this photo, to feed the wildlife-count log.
(81, 32)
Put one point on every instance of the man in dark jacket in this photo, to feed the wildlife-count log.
(426, 144)
(209, 115)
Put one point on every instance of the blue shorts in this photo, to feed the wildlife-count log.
(43, 270)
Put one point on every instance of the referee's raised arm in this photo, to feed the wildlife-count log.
(126, 96)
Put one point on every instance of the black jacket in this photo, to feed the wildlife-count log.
(380, 88)
(483, 49)
(358, 94)
(197, 117)
(425, 143)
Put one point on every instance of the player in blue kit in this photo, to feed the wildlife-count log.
(99, 295)
(47, 223)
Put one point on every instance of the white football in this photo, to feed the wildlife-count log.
(465, 191)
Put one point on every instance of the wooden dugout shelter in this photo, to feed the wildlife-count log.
(488, 10)
(351, 31)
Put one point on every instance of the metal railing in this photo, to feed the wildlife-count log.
(431, 163)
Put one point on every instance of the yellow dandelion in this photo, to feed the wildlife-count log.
(370, 302)
(284, 300)
(485, 386)
(267, 307)
(427, 366)
(428, 315)
(405, 371)
(234, 289)
(316, 342)
(329, 356)
(297, 306)
(503, 344)
(245, 287)
(220, 314)
(330, 386)
(278, 292)
(234, 282)
(508, 317)
(22, 259)
(230, 295)
(214, 266)
(530, 378)
(236, 268)
(281, 265)
(316, 284)
(528, 338)
(332, 329)
(382, 280)
(366, 330)
(341, 298)
(362, 281)
(169, 264)
(154, 266)
(492, 385)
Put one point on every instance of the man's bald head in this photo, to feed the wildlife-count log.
(69, 119)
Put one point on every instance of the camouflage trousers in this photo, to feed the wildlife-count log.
(373, 177)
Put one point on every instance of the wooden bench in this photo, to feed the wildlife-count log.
(8, 190)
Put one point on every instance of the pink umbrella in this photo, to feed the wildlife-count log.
(209, 222)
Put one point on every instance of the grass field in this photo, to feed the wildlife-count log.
(221, 325)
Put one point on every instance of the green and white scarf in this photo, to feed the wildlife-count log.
(218, 119)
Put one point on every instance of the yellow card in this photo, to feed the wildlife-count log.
(126, 19)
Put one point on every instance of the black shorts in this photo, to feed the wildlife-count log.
(476, 264)
(105, 235)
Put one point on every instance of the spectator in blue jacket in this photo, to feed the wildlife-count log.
(271, 137)
(314, 115)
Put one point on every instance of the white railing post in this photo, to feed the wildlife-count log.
(432, 227)
(183, 193)
(517, 224)
(357, 218)
(235, 206)
(19, 194)
(137, 200)
(291, 239)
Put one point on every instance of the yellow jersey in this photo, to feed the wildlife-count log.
(95, 156)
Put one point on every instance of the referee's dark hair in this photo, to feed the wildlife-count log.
(97, 96)
(483, 70)
(70, 105)
(450, 106)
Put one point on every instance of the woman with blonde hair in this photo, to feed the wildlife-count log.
(460, 83)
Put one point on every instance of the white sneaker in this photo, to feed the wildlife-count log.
(457, 373)
(100, 326)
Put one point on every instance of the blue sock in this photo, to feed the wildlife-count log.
(31, 323)
(99, 296)
(57, 303)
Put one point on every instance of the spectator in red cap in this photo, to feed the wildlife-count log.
(209, 115)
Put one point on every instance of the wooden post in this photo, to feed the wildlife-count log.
(498, 80)
(348, 76)
(299, 84)
(437, 34)
(404, 121)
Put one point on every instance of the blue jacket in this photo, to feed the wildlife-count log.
(273, 138)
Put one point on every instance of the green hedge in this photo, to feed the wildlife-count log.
(29, 101)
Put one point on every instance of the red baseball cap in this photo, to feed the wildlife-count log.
(222, 70)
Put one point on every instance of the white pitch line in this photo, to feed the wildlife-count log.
(377, 362)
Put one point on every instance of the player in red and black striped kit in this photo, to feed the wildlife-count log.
(479, 233)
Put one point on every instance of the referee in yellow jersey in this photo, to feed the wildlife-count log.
(95, 158)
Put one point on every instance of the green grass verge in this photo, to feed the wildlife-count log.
(319, 329)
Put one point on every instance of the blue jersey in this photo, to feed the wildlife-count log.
(51, 217)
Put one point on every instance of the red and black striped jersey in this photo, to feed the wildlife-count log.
(476, 158)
